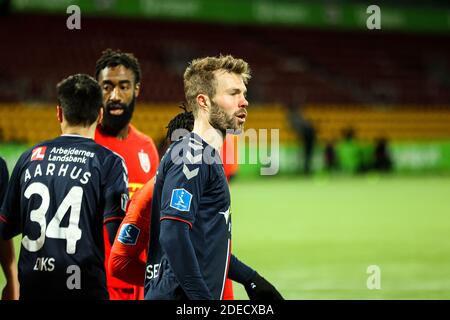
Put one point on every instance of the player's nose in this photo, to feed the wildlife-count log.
(115, 95)
(243, 103)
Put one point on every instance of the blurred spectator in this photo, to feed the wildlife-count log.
(330, 157)
(305, 132)
(349, 152)
(382, 159)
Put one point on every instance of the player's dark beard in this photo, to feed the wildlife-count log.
(113, 124)
(221, 121)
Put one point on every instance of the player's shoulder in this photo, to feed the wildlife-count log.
(75, 144)
(185, 149)
(193, 141)
(105, 154)
(190, 154)
(85, 143)
(139, 136)
(36, 152)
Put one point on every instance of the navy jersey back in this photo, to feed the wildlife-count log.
(61, 192)
(190, 187)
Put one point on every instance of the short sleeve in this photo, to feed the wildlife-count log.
(116, 189)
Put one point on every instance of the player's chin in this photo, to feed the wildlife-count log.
(237, 128)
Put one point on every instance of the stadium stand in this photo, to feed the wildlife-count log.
(22, 123)
(380, 83)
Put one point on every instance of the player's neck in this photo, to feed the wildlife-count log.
(87, 132)
(212, 136)
(123, 134)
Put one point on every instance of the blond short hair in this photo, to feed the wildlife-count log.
(199, 77)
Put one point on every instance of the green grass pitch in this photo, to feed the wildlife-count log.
(315, 238)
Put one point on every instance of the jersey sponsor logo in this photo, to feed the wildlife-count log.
(129, 234)
(70, 155)
(181, 200)
(38, 153)
(145, 161)
(152, 271)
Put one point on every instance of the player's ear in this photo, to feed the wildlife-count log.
(137, 89)
(59, 114)
(203, 101)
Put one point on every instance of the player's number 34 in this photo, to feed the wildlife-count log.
(72, 233)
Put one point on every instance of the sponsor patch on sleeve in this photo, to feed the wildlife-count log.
(181, 199)
(129, 234)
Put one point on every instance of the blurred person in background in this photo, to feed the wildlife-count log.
(330, 157)
(349, 151)
(354, 156)
(304, 129)
(7, 254)
(119, 75)
(382, 160)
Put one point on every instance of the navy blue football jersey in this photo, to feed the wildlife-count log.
(60, 194)
(191, 188)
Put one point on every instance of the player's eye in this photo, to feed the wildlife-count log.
(107, 87)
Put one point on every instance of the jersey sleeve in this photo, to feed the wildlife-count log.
(116, 189)
(10, 214)
(154, 157)
(183, 186)
(138, 216)
(133, 238)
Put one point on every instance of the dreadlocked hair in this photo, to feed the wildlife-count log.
(183, 120)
